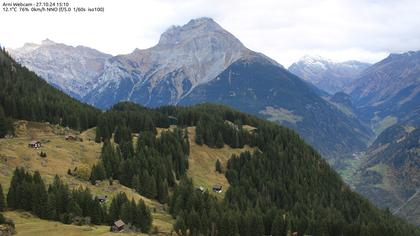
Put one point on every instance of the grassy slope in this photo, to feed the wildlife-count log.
(62, 155)
(28, 225)
(203, 160)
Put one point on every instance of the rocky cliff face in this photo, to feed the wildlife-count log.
(185, 57)
(326, 74)
(71, 69)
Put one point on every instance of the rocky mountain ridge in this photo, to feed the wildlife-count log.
(327, 74)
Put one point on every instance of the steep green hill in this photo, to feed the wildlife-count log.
(258, 87)
(23, 95)
(284, 186)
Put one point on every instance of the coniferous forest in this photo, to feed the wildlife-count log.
(283, 187)
(58, 202)
(23, 95)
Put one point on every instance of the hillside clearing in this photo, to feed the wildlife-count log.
(29, 225)
(203, 159)
(61, 156)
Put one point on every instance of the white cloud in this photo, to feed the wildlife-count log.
(283, 30)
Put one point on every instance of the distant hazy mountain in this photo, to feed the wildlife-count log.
(388, 91)
(202, 62)
(326, 74)
(71, 69)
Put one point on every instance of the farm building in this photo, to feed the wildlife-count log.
(118, 226)
(102, 198)
(71, 138)
(217, 188)
(34, 144)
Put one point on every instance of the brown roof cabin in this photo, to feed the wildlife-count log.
(34, 144)
(71, 138)
(118, 226)
(217, 188)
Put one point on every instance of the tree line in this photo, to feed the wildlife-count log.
(284, 187)
(23, 95)
(151, 165)
(79, 206)
(150, 168)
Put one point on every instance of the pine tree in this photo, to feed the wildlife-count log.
(74, 208)
(98, 137)
(96, 213)
(6, 125)
(51, 208)
(145, 215)
(279, 226)
(219, 140)
(98, 173)
(39, 197)
(2, 200)
(163, 191)
(218, 166)
(13, 197)
(135, 183)
(126, 213)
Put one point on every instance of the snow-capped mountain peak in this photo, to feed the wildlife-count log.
(329, 75)
(47, 42)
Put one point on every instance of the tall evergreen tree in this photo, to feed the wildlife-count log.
(2, 199)
(218, 166)
(39, 197)
(6, 125)
(219, 140)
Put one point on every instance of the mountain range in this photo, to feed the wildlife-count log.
(202, 62)
(74, 70)
(386, 97)
(287, 180)
(389, 91)
(340, 108)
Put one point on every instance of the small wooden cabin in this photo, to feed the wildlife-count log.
(217, 188)
(71, 138)
(118, 226)
(34, 144)
(102, 198)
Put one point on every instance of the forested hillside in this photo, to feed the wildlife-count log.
(283, 187)
(258, 87)
(23, 95)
